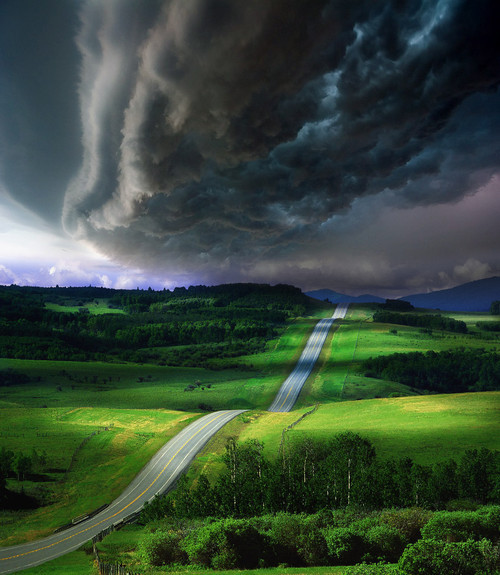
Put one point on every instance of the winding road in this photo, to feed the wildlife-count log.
(164, 468)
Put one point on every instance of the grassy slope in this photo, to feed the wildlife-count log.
(425, 428)
(133, 434)
(127, 440)
(95, 307)
(339, 375)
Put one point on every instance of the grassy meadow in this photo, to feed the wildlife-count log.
(339, 377)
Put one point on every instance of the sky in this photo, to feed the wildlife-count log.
(328, 144)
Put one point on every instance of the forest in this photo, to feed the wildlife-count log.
(309, 475)
(208, 322)
(452, 371)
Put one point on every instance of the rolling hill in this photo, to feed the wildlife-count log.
(471, 296)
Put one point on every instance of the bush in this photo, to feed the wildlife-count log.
(408, 522)
(386, 543)
(161, 547)
(345, 545)
(284, 531)
(227, 544)
(374, 569)
(311, 544)
(452, 526)
(430, 557)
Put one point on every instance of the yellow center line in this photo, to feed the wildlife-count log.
(121, 510)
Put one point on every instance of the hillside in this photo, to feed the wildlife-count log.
(472, 296)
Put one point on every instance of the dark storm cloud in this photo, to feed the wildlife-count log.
(39, 147)
(220, 133)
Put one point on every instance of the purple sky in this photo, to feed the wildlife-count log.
(345, 145)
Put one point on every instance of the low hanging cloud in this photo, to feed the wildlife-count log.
(222, 138)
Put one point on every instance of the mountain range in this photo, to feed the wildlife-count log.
(471, 296)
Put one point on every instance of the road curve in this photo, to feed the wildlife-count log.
(156, 477)
(165, 467)
(289, 391)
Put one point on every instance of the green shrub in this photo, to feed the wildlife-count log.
(284, 533)
(372, 569)
(227, 544)
(345, 545)
(386, 543)
(311, 544)
(161, 547)
(431, 557)
(453, 526)
(408, 522)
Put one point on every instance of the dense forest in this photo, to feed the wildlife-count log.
(452, 371)
(186, 326)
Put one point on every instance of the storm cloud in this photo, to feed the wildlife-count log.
(228, 141)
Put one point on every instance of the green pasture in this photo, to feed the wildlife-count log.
(123, 443)
(427, 428)
(57, 409)
(95, 307)
(66, 384)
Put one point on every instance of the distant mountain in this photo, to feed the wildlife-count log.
(472, 296)
(336, 297)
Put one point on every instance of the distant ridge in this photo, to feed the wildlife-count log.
(336, 297)
(471, 296)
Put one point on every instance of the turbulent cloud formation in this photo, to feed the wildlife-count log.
(228, 141)
(219, 134)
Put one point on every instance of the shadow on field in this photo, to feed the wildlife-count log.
(13, 501)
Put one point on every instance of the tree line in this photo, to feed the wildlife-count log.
(429, 321)
(451, 371)
(331, 503)
(309, 475)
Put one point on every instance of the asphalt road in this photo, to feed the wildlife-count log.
(289, 391)
(164, 469)
(156, 477)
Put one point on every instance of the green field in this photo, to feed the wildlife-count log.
(123, 442)
(426, 428)
(96, 307)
